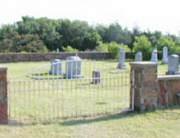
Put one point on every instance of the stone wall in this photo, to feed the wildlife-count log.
(169, 87)
(17, 57)
(149, 91)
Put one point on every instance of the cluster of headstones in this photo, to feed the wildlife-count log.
(72, 67)
(172, 60)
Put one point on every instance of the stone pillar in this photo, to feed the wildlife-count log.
(3, 96)
(144, 86)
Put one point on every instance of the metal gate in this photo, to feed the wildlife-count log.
(38, 96)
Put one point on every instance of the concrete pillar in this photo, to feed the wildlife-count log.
(144, 86)
(3, 96)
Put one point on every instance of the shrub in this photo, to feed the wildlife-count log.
(177, 48)
(144, 45)
(70, 49)
(103, 47)
(113, 48)
(169, 42)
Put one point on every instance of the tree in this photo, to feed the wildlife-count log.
(7, 31)
(91, 40)
(153, 37)
(114, 47)
(144, 45)
(117, 34)
(166, 41)
(45, 28)
(22, 43)
(101, 30)
(73, 33)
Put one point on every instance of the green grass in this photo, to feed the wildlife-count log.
(85, 98)
(157, 124)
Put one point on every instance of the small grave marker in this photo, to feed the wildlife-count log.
(173, 64)
(138, 56)
(56, 67)
(122, 58)
(154, 56)
(165, 55)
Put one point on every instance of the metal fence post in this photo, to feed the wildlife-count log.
(3, 96)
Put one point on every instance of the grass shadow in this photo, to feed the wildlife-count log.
(94, 119)
(125, 114)
(121, 115)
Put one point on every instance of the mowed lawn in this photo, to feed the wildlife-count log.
(160, 123)
(157, 124)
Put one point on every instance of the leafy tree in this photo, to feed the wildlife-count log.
(143, 44)
(73, 33)
(117, 34)
(91, 40)
(166, 41)
(102, 47)
(114, 47)
(101, 30)
(52, 34)
(153, 37)
(22, 43)
(7, 31)
(45, 28)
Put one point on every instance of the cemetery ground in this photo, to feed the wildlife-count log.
(160, 123)
(157, 124)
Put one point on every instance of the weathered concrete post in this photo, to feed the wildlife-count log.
(3, 96)
(144, 86)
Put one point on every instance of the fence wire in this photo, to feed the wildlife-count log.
(44, 97)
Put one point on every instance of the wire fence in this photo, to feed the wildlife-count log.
(92, 88)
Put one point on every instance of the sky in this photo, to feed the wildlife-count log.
(163, 15)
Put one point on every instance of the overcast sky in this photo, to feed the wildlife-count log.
(163, 15)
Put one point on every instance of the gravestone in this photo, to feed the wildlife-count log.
(56, 67)
(122, 58)
(173, 64)
(96, 77)
(165, 55)
(57, 50)
(138, 56)
(154, 56)
(73, 67)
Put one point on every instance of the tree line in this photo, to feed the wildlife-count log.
(47, 35)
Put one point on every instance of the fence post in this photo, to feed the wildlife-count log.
(3, 96)
(144, 86)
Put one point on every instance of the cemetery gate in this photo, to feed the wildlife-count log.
(68, 90)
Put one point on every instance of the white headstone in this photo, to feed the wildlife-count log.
(56, 67)
(138, 56)
(122, 58)
(73, 67)
(165, 55)
(154, 56)
(173, 64)
(57, 50)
